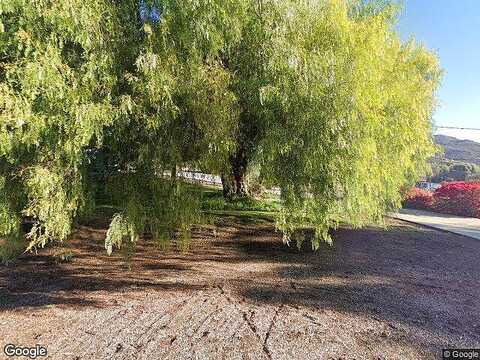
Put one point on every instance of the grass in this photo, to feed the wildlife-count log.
(242, 216)
(248, 210)
(213, 201)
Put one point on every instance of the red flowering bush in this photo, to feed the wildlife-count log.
(458, 198)
(418, 199)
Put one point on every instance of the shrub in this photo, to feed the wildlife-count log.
(458, 198)
(418, 199)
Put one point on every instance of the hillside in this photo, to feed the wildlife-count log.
(461, 150)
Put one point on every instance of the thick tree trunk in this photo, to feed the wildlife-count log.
(229, 186)
(240, 184)
(234, 178)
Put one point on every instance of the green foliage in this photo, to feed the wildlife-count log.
(321, 97)
(214, 200)
(9, 221)
(11, 247)
(119, 229)
(55, 101)
(451, 170)
(152, 204)
(85, 87)
(339, 107)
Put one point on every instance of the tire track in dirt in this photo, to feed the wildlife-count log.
(128, 339)
(146, 335)
(166, 333)
(195, 330)
(151, 320)
(75, 325)
(86, 347)
(269, 331)
(209, 324)
(248, 322)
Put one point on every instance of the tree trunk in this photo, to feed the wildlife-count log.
(229, 186)
(240, 184)
(173, 178)
(233, 179)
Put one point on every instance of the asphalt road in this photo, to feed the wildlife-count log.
(458, 225)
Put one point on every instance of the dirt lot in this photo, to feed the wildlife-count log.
(240, 293)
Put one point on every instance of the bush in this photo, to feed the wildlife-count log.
(458, 198)
(418, 199)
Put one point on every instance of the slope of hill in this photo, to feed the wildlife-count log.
(460, 150)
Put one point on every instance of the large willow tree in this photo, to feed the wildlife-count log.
(321, 96)
(336, 110)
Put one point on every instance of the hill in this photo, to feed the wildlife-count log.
(459, 150)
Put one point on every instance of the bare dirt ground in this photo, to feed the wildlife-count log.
(240, 293)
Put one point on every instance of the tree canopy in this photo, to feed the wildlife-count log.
(321, 96)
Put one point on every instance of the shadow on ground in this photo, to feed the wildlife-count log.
(403, 275)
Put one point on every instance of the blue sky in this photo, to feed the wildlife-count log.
(452, 29)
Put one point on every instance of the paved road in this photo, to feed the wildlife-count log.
(455, 224)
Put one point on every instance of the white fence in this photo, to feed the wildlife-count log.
(199, 177)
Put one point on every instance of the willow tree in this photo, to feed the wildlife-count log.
(311, 69)
(57, 75)
(321, 96)
(343, 109)
(126, 87)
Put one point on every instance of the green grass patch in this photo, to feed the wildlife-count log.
(213, 200)
(213, 206)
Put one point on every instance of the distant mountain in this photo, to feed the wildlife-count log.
(460, 150)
